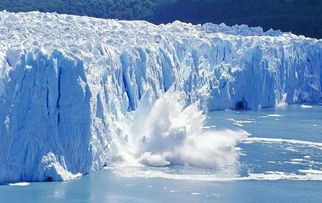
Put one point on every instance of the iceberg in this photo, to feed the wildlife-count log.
(67, 82)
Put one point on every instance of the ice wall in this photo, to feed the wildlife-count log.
(65, 81)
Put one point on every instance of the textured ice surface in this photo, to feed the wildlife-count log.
(65, 81)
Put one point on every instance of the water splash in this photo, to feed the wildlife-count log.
(164, 132)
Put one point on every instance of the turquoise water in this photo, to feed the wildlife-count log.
(276, 165)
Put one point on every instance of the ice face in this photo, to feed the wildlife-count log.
(66, 82)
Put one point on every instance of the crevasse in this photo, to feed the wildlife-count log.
(65, 81)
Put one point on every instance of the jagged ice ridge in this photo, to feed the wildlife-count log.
(65, 81)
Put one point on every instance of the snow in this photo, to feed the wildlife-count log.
(67, 83)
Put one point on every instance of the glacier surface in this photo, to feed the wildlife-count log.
(66, 82)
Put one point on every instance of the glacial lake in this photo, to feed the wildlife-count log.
(280, 161)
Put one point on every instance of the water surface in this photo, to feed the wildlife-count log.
(281, 161)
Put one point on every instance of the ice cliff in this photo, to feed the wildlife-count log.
(66, 80)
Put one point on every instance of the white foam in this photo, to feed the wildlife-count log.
(296, 161)
(164, 132)
(279, 140)
(277, 175)
(209, 127)
(268, 175)
(292, 149)
(311, 172)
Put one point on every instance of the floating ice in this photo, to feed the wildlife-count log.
(306, 106)
(240, 123)
(274, 115)
(21, 184)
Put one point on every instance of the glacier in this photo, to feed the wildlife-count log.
(67, 82)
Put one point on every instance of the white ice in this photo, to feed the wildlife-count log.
(68, 82)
